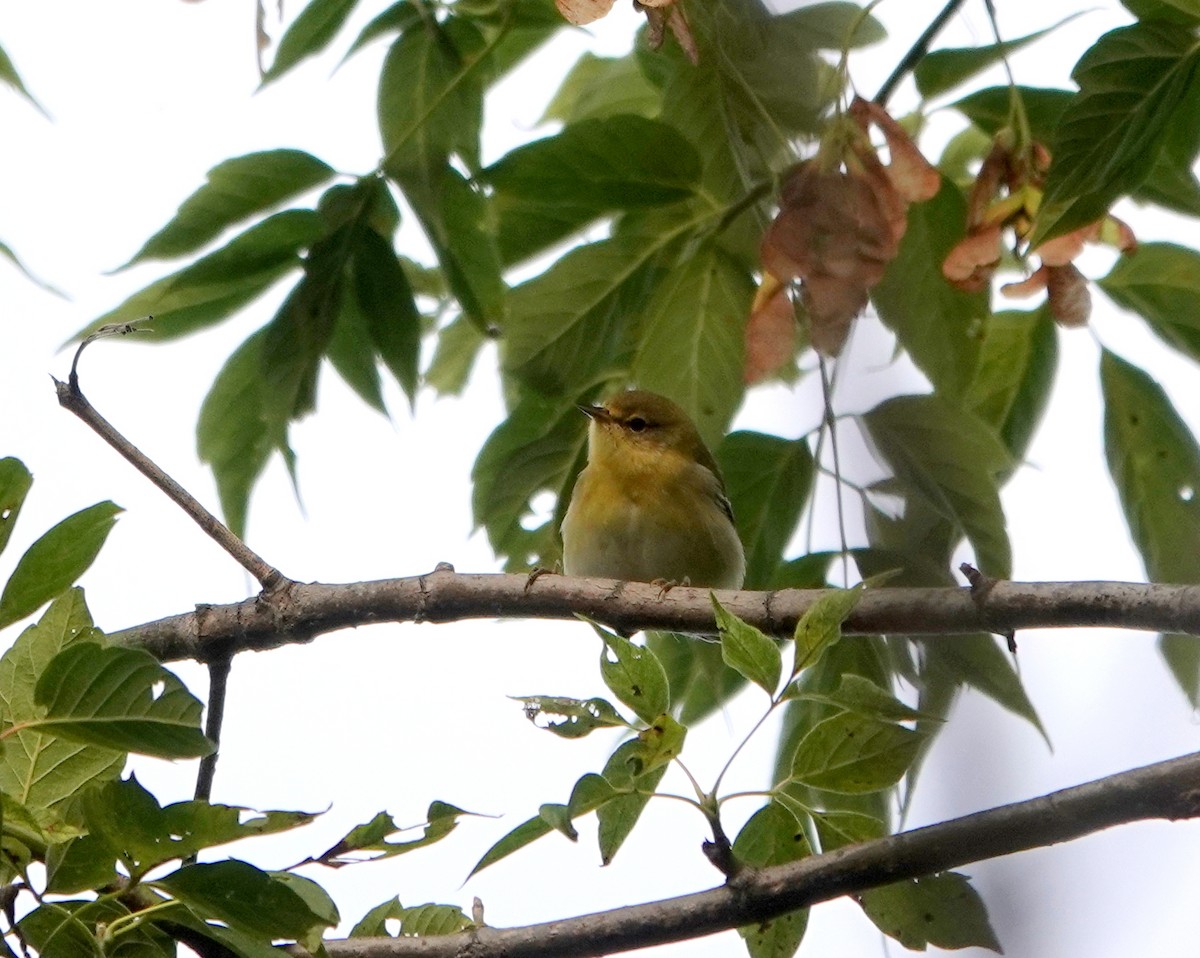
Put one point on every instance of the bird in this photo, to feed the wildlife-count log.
(650, 505)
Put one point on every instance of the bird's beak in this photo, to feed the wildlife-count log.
(595, 413)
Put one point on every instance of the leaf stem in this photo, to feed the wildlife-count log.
(917, 52)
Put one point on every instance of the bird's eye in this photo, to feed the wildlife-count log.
(637, 424)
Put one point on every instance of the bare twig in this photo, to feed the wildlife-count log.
(71, 398)
(307, 610)
(1169, 790)
(917, 52)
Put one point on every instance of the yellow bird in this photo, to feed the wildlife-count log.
(650, 505)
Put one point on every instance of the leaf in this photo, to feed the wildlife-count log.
(1160, 283)
(1013, 379)
(385, 299)
(119, 698)
(700, 681)
(831, 26)
(951, 459)
(863, 697)
(56, 560)
(853, 754)
(749, 651)
(840, 828)
(1154, 462)
(941, 910)
(373, 923)
(308, 34)
(536, 448)
(440, 821)
(15, 481)
(568, 324)
(43, 771)
(233, 434)
(773, 836)
(940, 327)
(657, 745)
(218, 284)
(74, 929)
(246, 898)
(634, 675)
(1130, 83)
(79, 864)
(552, 188)
(598, 87)
(1183, 12)
(396, 18)
(458, 346)
(979, 661)
(579, 717)
(235, 190)
(991, 109)
(618, 815)
(9, 254)
(351, 352)
(696, 316)
(432, 919)
(943, 70)
(10, 77)
(821, 626)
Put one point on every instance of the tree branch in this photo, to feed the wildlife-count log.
(1169, 790)
(308, 610)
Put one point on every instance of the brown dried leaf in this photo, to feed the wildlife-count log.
(1063, 249)
(971, 264)
(1027, 287)
(832, 304)
(580, 12)
(1067, 292)
(913, 176)
(770, 331)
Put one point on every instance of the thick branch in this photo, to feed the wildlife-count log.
(305, 611)
(1168, 790)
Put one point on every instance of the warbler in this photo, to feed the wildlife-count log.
(650, 504)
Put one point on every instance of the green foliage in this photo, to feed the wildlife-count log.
(941, 910)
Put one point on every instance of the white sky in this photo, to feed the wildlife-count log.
(146, 96)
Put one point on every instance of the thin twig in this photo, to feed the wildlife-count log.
(917, 52)
(1167, 790)
(71, 398)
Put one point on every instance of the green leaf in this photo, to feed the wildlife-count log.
(73, 929)
(1183, 12)
(246, 898)
(385, 298)
(980, 662)
(634, 675)
(524, 834)
(368, 842)
(943, 70)
(769, 480)
(991, 109)
(351, 352)
(840, 828)
(217, 285)
(861, 696)
(657, 745)
(44, 771)
(831, 25)
(233, 434)
(394, 19)
(80, 864)
(1154, 462)
(853, 754)
(570, 323)
(308, 34)
(373, 923)
(696, 316)
(10, 77)
(579, 717)
(1130, 84)
(235, 190)
(617, 816)
(15, 481)
(749, 651)
(773, 836)
(1016, 370)
(432, 919)
(821, 626)
(941, 910)
(939, 326)
(1160, 283)
(458, 345)
(951, 459)
(599, 87)
(700, 681)
(228, 940)
(538, 447)
(119, 698)
(9, 254)
(56, 560)
(551, 188)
